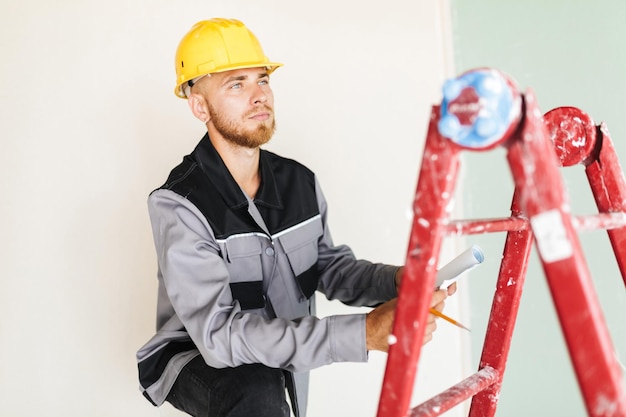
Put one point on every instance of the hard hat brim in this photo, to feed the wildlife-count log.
(271, 67)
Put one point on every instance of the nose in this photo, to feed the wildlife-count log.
(260, 95)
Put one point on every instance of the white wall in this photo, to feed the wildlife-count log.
(90, 126)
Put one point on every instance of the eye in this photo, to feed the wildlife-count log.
(235, 86)
(264, 81)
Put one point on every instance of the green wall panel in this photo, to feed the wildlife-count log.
(571, 54)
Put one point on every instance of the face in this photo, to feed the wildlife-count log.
(241, 106)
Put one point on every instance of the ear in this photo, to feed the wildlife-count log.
(199, 107)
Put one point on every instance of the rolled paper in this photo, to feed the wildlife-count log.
(466, 260)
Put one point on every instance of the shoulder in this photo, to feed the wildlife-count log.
(184, 178)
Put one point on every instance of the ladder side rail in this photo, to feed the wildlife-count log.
(608, 186)
(437, 176)
(536, 172)
(579, 141)
(504, 309)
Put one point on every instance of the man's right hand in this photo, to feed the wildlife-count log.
(379, 322)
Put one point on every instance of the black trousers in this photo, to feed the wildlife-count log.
(245, 391)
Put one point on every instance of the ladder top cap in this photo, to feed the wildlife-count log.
(480, 108)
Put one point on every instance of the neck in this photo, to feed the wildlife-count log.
(243, 163)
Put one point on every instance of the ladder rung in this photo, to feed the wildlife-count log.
(477, 226)
(456, 394)
(606, 221)
(599, 221)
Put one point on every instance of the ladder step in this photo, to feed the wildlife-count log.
(606, 221)
(456, 394)
(478, 226)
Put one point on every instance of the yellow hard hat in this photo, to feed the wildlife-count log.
(217, 45)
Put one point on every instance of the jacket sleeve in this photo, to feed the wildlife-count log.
(196, 284)
(343, 277)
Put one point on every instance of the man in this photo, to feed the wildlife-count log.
(243, 245)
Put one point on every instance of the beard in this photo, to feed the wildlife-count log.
(236, 135)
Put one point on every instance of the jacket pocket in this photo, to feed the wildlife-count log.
(243, 261)
(249, 294)
(301, 247)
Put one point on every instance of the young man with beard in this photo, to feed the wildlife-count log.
(243, 245)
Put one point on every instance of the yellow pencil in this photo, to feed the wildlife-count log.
(448, 319)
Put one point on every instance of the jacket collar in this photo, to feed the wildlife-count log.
(212, 165)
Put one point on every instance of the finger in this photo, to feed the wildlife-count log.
(430, 329)
(431, 326)
(452, 289)
(442, 294)
(438, 297)
(440, 306)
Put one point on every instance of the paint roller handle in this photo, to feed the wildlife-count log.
(466, 260)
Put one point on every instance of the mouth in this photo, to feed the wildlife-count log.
(261, 116)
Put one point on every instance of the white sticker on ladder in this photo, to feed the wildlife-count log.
(551, 236)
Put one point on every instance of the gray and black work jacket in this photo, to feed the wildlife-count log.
(237, 276)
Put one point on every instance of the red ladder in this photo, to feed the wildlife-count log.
(480, 110)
